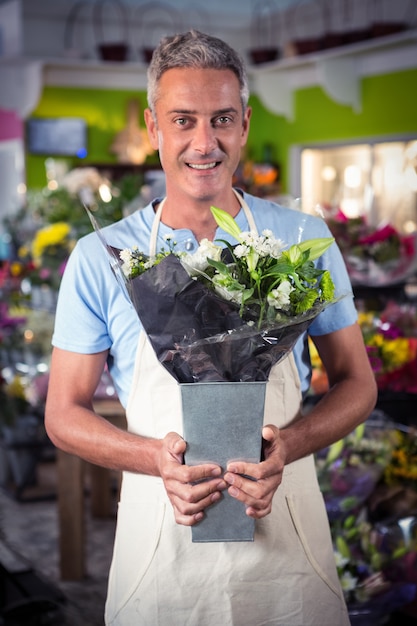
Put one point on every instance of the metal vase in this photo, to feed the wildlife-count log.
(223, 422)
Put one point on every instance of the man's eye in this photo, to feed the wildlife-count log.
(181, 121)
(224, 119)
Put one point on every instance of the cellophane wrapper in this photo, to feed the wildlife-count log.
(200, 337)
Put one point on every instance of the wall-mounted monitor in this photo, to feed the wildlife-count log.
(60, 136)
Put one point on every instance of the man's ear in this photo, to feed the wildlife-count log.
(246, 124)
(152, 130)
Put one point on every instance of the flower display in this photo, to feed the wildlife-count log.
(390, 338)
(372, 555)
(374, 255)
(349, 470)
(391, 343)
(402, 469)
(368, 571)
(81, 186)
(45, 259)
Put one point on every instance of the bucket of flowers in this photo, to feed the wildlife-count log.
(218, 320)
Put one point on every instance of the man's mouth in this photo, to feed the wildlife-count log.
(203, 166)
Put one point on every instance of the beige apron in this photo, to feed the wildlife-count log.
(158, 577)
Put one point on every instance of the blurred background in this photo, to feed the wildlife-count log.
(334, 133)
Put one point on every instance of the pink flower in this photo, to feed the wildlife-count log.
(381, 234)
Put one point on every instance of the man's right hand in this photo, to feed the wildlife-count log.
(191, 489)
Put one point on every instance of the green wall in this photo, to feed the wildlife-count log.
(388, 108)
(105, 112)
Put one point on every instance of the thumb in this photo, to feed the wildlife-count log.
(269, 432)
(176, 443)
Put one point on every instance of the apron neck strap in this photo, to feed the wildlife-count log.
(158, 214)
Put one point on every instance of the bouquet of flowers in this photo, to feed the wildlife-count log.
(218, 320)
(227, 314)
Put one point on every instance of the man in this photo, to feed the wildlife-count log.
(198, 120)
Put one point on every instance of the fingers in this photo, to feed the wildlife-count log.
(190, 503)
(190, 489)
(255, 484)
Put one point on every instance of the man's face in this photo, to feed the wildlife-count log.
(199, 130)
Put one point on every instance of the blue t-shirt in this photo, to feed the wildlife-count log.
(94, 312)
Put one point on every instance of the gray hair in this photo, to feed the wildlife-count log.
(196, 50)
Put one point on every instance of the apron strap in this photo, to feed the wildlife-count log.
(247, 211)
(158, 214)
(155, 228)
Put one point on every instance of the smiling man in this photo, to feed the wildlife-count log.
(198, 119)
(199, 124)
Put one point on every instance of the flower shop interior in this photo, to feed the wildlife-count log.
(333, 133)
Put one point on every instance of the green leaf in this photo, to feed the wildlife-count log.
(359, 431)
(342, 547)
(335, 451)
(282, 266)
(226, 222)
(316, 247)
(221, 267)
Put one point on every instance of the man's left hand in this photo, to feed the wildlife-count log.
(255, 484)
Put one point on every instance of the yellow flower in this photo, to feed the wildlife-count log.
(366, 318)
(16, 388)
(396, 352)
(52, 235)
(16, 268)
(23, 252)
(377, 340)
(314, 355)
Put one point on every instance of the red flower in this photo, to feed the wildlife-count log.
(381, 234)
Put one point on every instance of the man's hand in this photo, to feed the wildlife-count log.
(257, 491)
(190, 489)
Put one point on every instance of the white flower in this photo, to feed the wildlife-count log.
(126, 254)
(341, 560)
(264, 245)
(279, 298)
(128, 261)
(225, 292)
(197, 262)
(241, 251)
(83, 177)
(348, 582)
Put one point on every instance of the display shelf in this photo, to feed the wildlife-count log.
(338, 71)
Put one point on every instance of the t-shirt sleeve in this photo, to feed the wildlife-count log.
(343, 312)
(86, 286)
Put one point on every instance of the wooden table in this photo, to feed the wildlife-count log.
(71, 501)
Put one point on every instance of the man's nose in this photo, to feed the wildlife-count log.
(205, 138)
